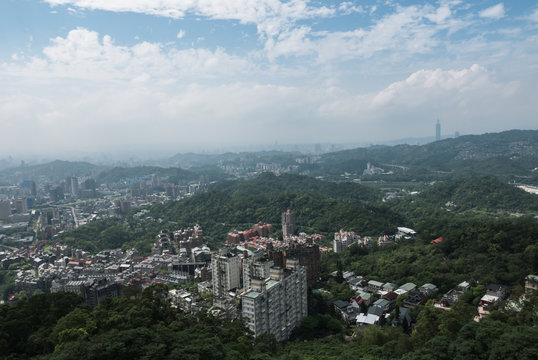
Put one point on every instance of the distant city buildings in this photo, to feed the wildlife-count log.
(5, 209)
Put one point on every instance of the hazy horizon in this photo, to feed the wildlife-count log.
(88, 77)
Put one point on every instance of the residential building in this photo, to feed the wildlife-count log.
(531, 284)
(256, 266)
(288, 224)
(343, 239)
(278, 304)
(225, 270)
(5, 209)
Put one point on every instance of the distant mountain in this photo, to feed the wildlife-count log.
(511, 154)
(55, 170)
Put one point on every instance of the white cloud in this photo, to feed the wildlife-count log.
(493, 12)
(441, 81)
(467, 100)
(270, 16)
(534, 15)
(181, 34)
(82, 54)
(403, 33)
(347, 8)
(147, 112)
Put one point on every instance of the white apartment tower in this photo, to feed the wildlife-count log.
(278, 304)
(226, 275)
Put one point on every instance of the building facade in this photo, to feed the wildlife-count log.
(225, 271)
(288, 224)
(278, 304)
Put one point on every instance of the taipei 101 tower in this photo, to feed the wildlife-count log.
(437, 131)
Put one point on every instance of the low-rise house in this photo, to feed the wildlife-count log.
(496, 290)
(384, 304)
(354, 282)
(485, 305)
(390, 296)
(463, 286)
(428, 289)
(367, 319)
(405, 288)
(341, 307)
(366, 297)
(414, 298)
(447, 300)
(531, 284)
(347, 311)
(375, 285)
(389, 286)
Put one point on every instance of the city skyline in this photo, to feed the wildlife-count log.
(86, 75)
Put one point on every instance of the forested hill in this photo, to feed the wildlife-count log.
(319, 206)
(477, 193)
(509, 153)
(269, 183)
(57, 169)
(172, 174)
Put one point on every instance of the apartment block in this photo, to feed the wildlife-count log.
(278, 304)
(225, 271)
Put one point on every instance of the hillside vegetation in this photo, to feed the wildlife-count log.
(478, 193)
(509, 155)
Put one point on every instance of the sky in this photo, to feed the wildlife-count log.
(91, 75)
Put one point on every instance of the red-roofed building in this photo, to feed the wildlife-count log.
(437, 241)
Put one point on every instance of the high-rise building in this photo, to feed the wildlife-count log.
(71, 185)
(5, 209)
(437, 131)
(226, 275)
(288, 224)
(21, 205)
(255, 266)
(307, 254)
(278, 304)
(33, 188)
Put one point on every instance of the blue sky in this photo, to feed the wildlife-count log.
(99, 74)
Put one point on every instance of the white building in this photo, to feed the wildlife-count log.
(226, 275)
(255, 266)
(278, 304)
(343, 239)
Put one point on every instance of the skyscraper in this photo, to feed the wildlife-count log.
(437, 131)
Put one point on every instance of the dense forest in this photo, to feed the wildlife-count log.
(144, 326)
(479, 194)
